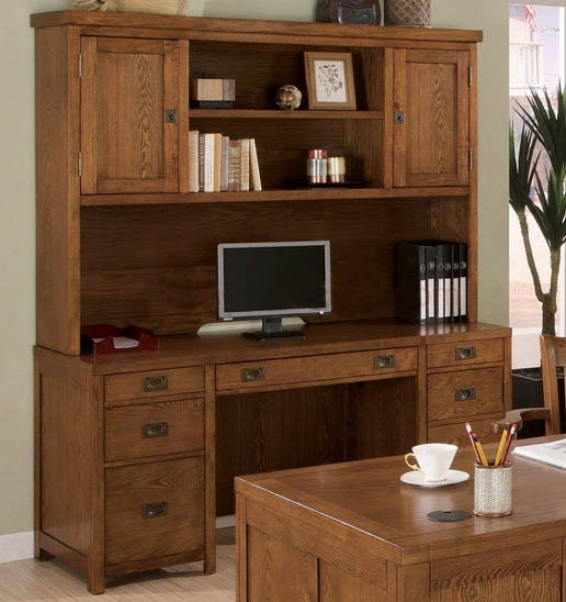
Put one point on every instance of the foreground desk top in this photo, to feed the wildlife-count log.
(360, 517)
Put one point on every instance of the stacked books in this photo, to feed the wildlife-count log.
(218, 163)
(431, 281)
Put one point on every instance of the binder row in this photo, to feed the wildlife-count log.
(431, 281)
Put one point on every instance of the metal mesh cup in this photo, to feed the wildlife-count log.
(493, 488)
(415, 13)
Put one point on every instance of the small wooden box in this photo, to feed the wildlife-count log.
(213, 93)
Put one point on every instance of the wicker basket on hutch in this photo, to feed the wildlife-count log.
(414, 13)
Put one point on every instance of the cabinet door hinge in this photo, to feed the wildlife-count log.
(80, 65)
(470, 77)
(80, 164)
(471, 160)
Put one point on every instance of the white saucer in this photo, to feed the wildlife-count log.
(415, 477)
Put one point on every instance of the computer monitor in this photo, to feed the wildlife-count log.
(270, 280)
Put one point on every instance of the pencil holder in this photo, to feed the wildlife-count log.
(493, 487)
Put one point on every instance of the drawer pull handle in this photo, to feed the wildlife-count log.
(252, 374)
(155, 383)
(465, 353)
(466, 394)
(384, 361)
(155, 429)
(155, 510)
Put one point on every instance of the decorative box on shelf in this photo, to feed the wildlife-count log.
(213, 93)
(105, 338)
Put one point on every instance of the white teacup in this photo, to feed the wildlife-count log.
(433, 460)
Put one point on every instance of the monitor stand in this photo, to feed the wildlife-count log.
(272, 328)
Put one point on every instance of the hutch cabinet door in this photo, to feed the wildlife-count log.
(431, 118)
(129, 115)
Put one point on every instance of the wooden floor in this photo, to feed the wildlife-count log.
(33, 581)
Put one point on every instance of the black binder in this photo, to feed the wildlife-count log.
(411, 283)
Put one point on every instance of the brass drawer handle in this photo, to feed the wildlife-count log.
(384, 361)
(155, 510)
(465, 394)
(155, 383)
(465, 353)
(155, 429)
(252, 374)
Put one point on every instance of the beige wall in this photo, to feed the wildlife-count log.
(17, 204)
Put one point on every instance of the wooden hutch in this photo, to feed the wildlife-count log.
(136, 452)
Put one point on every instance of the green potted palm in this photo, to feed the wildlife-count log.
(537, 194)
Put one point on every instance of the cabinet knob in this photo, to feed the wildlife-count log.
(465, 394)
(155, 509)
(171, 116)
(465, 353)
(399, 116)
(384, 361)
(155, 429)
(155, 383)
(253, 374)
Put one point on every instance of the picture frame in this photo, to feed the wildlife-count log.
(330, 81)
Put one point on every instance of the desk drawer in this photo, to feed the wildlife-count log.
(340, 366)
(465, 394)
(153, 383)
(150, 429)
(154, 510)
(465, 354)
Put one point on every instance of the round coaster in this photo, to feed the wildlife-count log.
(449, 516)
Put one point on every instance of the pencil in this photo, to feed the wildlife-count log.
(474, 447)
(480, 451)
(508, 446)
(502, 444)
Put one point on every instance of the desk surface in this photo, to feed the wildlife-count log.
(368, 497)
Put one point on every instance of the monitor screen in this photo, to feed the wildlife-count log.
(273, 279)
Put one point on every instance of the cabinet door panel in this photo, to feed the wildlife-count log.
(129, 114)
(431, 129)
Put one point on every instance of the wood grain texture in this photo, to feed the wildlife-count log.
(518, 558)
(132, 536)
(127, 86)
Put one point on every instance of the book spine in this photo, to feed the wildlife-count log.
(234, 165)
(193, 161)
(217, 162)
(245, 164)
(224, 163)
(254, 166)
(209, 163)
(201, 145)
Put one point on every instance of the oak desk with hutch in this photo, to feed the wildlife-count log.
(136, 452)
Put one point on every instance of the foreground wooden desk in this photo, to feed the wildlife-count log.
(353, 532)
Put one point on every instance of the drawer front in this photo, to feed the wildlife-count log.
(368, 364)
(465, 354)
(465, 393)
(153, 383)
(457, 434)
(154, 510)
(150, 429)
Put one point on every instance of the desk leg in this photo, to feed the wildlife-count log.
(241, 550)
(412, 583)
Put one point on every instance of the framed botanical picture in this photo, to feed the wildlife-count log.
(330, 81)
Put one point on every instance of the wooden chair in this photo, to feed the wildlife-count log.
(553, 355)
